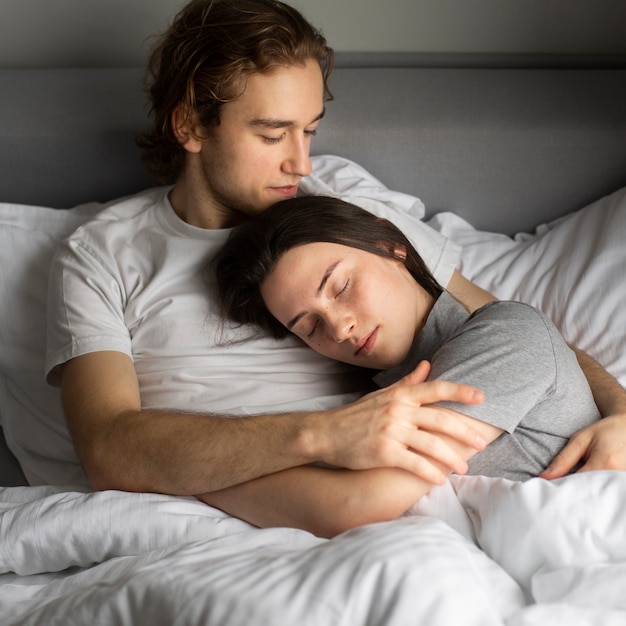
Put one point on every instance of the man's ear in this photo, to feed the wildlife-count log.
(185, 127)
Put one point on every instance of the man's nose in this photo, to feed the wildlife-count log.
(298, 159)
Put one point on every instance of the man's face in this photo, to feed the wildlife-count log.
(260, 150)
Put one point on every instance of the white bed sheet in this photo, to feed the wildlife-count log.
(478, 551)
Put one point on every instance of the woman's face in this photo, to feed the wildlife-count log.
(348, 304)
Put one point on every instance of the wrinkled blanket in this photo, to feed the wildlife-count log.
(477, 551)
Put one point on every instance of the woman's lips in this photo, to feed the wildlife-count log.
(366, 346)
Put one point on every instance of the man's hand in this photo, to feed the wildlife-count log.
(399, 427)
(598, 447)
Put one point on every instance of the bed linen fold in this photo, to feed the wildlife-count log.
(476, 551)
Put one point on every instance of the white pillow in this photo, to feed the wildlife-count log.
(30, 410)
(574, 269)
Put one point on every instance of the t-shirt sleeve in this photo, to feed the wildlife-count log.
(85, 310)
(505, 349)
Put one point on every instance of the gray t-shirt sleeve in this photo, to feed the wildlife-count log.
(534, 388)
(535, 391)
(506, 350)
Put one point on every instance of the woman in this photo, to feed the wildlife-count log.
(352, 287)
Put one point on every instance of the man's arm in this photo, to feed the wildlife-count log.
(327, 502)
(123, 446)
(469, 294)
(601, 445)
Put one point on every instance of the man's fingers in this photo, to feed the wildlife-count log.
(438, 390)
(433, 447)
(422, 467)
(445, 391)
(418, 375)
(441, 421)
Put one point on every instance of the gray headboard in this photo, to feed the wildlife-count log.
(505, 148)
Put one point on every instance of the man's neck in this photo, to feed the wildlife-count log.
(198, 209)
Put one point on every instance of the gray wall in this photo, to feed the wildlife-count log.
(79, 33)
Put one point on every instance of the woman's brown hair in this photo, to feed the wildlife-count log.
(252, 251)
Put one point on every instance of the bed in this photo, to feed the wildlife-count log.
(525, 167)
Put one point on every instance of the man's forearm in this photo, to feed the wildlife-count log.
(123, 446)
(185, 454)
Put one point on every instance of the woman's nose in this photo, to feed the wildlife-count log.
(341, 328)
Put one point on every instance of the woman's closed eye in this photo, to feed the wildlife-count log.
(313, 329)
(343, 289)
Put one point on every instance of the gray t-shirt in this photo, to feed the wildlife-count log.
(534, 388)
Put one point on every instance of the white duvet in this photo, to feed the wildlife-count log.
(478, 551)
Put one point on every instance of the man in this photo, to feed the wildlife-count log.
(148, 373)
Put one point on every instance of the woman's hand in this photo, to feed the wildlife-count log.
(600, 446)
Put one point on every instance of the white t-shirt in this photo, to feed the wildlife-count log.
(133, 280)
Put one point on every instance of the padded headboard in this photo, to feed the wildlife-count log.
(505, 148)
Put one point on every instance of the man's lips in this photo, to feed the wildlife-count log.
(366, 345)
(288, 190)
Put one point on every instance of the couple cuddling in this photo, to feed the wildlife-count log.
(151, 376)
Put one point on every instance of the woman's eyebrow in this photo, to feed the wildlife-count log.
(327, 274)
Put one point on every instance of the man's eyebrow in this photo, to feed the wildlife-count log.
(275, 123)
(320, 287)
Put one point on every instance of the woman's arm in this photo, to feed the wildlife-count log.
(325, 502)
